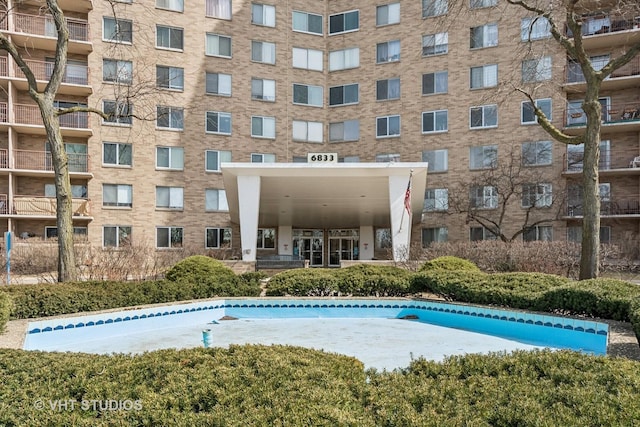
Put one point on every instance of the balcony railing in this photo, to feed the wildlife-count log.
(609, 160)
(75, 74)
(40, 206)
(30, 115)
(4, 117)
(41, 160)
(45, 26)
(4, 71)
(604, 24)
(625, 206)
(573, 72)
(611, 113)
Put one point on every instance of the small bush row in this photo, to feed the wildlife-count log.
(5, 310)
(283, 385)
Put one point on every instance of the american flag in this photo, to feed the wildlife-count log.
(407, 197)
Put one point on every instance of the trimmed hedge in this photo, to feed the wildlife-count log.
(291, 386)
(357, 280)
(5, 310)
(449, 263)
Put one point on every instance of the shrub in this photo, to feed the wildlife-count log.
(199, 268)
(449, 263)
(373, 280)
(5, 310)
(304, 282)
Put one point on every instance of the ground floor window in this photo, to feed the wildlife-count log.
(79, 233)
(169, 237)
(434, 234)
(266, 238)
(574, 234)
(217, 238)
(115, 236)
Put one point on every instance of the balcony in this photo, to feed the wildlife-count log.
(619, 117)
(618, 163)
(624, 77)
(82, 6)
(42, 207)
(39, 32)
(75, 80)
(38, 163)
(605, 31)
(618, 208)
(27, 119)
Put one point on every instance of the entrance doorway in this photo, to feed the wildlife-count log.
(343, 245)
(310, 245)
(339, 245)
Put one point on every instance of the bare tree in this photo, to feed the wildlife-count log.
(557, 14)
(499, 189)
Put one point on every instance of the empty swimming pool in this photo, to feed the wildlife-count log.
(384, 334)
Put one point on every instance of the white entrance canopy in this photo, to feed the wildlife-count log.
(322, 195)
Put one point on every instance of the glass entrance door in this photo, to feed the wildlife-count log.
(310, 245)
(343, 245)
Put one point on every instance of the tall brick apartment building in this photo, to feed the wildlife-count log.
(291, 127)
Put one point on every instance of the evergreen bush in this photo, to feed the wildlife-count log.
(449, 263)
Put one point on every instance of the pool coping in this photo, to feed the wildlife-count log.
(622, 339)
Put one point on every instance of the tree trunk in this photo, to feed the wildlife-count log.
(67, 269)
(590, 257)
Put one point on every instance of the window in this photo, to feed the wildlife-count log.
(119, 112)
(308, 59)
(78, 191)
(437, 159)
(349, 159)
(436, 199)
(217, 238)
(387, 126)
(575, 156)
(344, 59)
(388, 52)
(170, 118)
(117, 71)
(307, 22)
(170, 158)
(435, 121)
(434, 8)
(483, 157)
(116, 195)
(220, 9)
(575, 199)
(534, 28)
(574, 234)
(213, 159)
(263, 14)
(536, 153)
(481, 233)
(169, 37)
(383, 238)
(263, 89)
(536, 70)
(307, 131)
(576, 115)
(538, 233)
(484, 197)
(528, 114)
(170, 197)
(387, 158)
(218, 123)
(175, 5)
(434, 83)
(215, 200)
(169, 237)
(170, 77)
(263, 127)
(79, 233)
(263, 158)
(344, 22)
(263, 52)
(117, 30)
(116, 236)
(477, 4)
(348, 130)
(435, 44)
(434, 234)
(483, 76)
(343, 95)
(388, 14)
(537, 195)
(307, 95)
(266, 238)
(484, 36)
(116, 154)
(485, 116)
(218, 84)
(388, 89)
(574, 71)
(217, 45)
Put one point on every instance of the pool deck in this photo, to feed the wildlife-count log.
(622, 340)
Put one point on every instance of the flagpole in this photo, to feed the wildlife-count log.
(407, 201)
